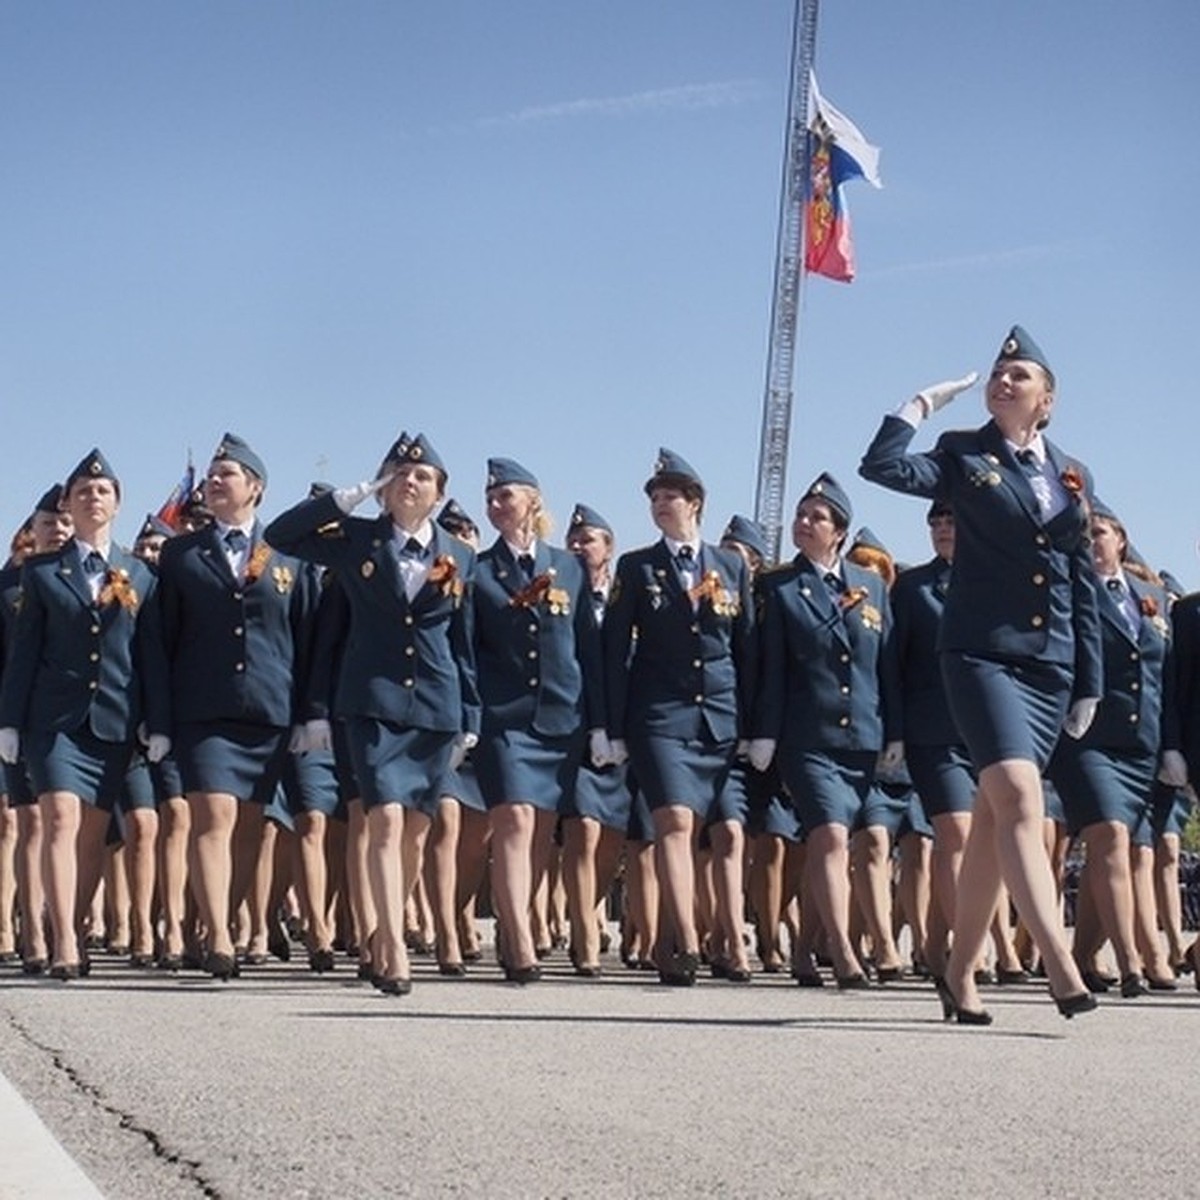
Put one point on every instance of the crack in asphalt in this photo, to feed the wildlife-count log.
(189, 1169)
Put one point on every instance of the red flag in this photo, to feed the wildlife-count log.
(172, 508)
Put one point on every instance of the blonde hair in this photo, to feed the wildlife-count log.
(541, 522)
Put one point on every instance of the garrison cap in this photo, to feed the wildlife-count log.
(1020, 345)
(416, 449)
(673, 470)
(454, 518)
(51, 500)
(585, 517)
(93, 465)
(501, 471)
(826, 488)
(747, 533)
(868, 539)
(153, 526)
(232, 448)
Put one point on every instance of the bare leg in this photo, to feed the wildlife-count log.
(1155, 960)
(871, 851)
(728, 855)
(141, 833)
(385, 831)
(1112, 889)
(913, 893)
(581, 837)
(512, 880)
(828, 861)
(30, 891)
(174, 823)
(312, 883)
(950, 832)
(675, 831)
(210, 863)
(441, 880)
(8, 878)
(1166, 886)
(471, 867)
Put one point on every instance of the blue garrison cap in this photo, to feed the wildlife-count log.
(1020, 345)
(1172, 584)
(416, 449)
(319, 487)
(939, 508)
(454, 518)
(748, 533)
(671, 469)
(584, 516)
(868, 539)
(235, 449)
(51, 500)
(1100, 509)
(826, 488)
(502, 471)
(153, 526)
(93, 465)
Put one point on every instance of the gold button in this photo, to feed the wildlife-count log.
(410, 650)
(237, 629)
(1039, 579)
(239, 666)
(844, 721)
(1133, 656)
(95, 628)
(1134, 686)
(93, 685)
(1133, 718)
(237, 595)
(695, 628)
(409, 682)
(1037, 622)
(533, 654)
(845, 689)
(1040, 539)
(533, 683)
(698, 699)
(408, 620)
(845, 658)
(533, 629)
(697, 663)
(94, 657)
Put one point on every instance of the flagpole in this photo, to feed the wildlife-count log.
(789, 271)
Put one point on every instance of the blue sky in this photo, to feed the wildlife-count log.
(546, 230)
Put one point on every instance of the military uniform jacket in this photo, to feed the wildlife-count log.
(1020, 589)
(77, 663)
(1137, 676)
(918, 598)
(231, 645)
(10, 605)
(330, 627)
(409, 663)
(1184, 701)
(828, 677)
(672, 670)
(537, 645)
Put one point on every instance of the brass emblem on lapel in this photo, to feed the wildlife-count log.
(872, 618)
(367, 569)
(283, 578)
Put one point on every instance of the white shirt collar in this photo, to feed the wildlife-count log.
(517, 552)
(1036, 446)
(675, 547)
(86, 548)
(247, 528)
(423, 533)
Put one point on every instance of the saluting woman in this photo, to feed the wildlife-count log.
(829, 704)
(537, 651)
(1019, 641)
(679, 655)
(85, 669)
(233, 611)
(406, 687)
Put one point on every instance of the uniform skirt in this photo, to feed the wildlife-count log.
(398, 765)
(138, 789)
(829, 788)
(79, 763)
(1098, 785)
(600, 795)
(164, 775)
(518, 766)
(231, 757)
(896, 808)
(771, 811)
(16, 783)
(1170, 808)
(463, 785)
(310, 785)
(688, 773)
(641, 823)
(1006, 709)
(943, 777)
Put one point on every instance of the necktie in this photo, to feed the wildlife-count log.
(1029, 464)
(1117, 588)
(525, 562)
(93, 563)
(684, 559)
(598, 596)
(412, 549)
(236, 540)
(833, 582)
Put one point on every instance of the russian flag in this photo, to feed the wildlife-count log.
(837, 153)
(172, 507)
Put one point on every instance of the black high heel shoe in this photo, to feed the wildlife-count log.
(1070, 1006)
(952, 1012)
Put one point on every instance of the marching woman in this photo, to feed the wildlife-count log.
(406, 687)
(596, 814)
(84, 670)
(537, 649)
(1105, 778)
(50, 530)
(233, 610)
(828, 703)
(1019, 641)
(679, 666)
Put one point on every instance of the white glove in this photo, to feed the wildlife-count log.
(600, 748)
(892, 757)
(349, 498)
(742, 749)
(318, 735)
(158, 746)
(1173, 769)
(462, 743)
(1080, 717)
(297, 741)
(760, 752)
(10, 746)
(618, 752)
(938, 395)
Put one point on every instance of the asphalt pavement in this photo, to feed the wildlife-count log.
(284, 1084)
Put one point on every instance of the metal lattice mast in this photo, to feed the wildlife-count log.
(785, 304)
